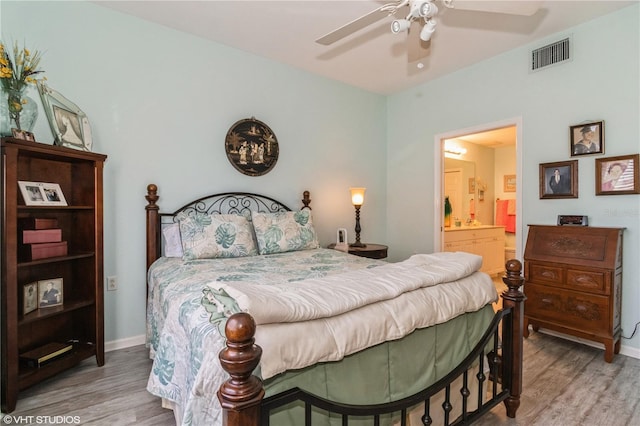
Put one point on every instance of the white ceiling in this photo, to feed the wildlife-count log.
(373, 58)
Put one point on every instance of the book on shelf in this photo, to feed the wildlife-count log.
(34, 236)
(37, 222)
(28, 252)
(40, 356)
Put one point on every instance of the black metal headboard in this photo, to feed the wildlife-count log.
(223, 203)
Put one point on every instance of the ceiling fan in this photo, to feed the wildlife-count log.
(422, 13)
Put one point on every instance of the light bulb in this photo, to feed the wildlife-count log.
(400, 25)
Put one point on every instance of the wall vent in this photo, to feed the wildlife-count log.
(550, 54)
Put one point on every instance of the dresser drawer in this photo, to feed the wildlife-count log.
(544, 273)
(591, 281)
(569, 308)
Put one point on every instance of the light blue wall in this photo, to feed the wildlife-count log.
(601, 82)
(160, 103)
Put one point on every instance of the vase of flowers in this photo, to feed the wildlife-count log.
(17, 72)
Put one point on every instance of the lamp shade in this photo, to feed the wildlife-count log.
(357, 196)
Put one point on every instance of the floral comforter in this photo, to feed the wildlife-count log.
(332, 302)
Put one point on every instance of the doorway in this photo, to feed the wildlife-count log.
(493, 150)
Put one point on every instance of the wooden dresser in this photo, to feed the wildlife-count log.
(573, 282)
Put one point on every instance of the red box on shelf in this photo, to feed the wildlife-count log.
(42, 250)
(33, 236)
(37, 223)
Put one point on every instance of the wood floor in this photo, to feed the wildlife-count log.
(565, 384)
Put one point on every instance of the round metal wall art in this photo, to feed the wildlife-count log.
(252, 147)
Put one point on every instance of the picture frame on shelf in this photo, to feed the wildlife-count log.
(23, 134)
(68, 123)
(42, 194)
(509, 183)
(50, 293)
(587, 138)
(29, 297)
(559, 179)
(618, 175)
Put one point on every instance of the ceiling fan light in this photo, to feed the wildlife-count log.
(428, 30)
(400, 25)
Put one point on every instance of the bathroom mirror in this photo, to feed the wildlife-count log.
(459, 186)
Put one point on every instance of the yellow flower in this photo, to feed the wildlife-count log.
(5, 72)
(4, 61)
(26, 52)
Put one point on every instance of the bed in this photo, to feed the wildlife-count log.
(250, 322)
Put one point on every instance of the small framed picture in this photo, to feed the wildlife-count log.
(50, 292)
(617, 175)
(472, 185)
(559, 180)
(23, 134)
(30, 298)
(42, 194)
(509, 183)
(587, 138)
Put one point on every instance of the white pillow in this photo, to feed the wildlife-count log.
(172, 243)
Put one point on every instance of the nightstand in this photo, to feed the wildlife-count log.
(372, 251)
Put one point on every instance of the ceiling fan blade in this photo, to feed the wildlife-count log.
(353, 26)
(416, 48)
(513, 7)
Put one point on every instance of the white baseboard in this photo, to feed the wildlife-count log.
(124, 343)
(624, 350)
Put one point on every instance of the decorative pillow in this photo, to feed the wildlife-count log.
(219, 235)
(284, 231)
(172, 243)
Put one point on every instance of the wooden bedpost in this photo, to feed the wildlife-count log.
(241, 395)
(514, 298)
(153, 225)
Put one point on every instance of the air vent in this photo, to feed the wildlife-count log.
(550, 54)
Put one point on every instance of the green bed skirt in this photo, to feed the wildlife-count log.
(383, 373)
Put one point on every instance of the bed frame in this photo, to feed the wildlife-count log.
(242, 396)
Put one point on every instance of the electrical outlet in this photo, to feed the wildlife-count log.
(112, 284)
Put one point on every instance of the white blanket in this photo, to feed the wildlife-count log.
(336, 294)
(338, 315)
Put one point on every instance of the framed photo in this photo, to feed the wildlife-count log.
(70, 126)
(509, 183)
(559, 180)
(29, 298)
(472, 185)
(23, 134)
(41, 194)
(50, 293)
(587, 138)
(617, 175)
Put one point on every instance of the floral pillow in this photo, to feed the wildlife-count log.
(284, 231)
(220, 235)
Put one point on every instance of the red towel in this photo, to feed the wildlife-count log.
(503, 218)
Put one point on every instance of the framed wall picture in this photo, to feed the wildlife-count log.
(70, 126)
(617, 175)
(50, 292)
(42, 194)
(509, 183)
(29, 298)
(559, 180)
(587, 138)
(472, 185)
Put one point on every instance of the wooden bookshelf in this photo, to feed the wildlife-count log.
(80, 318)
